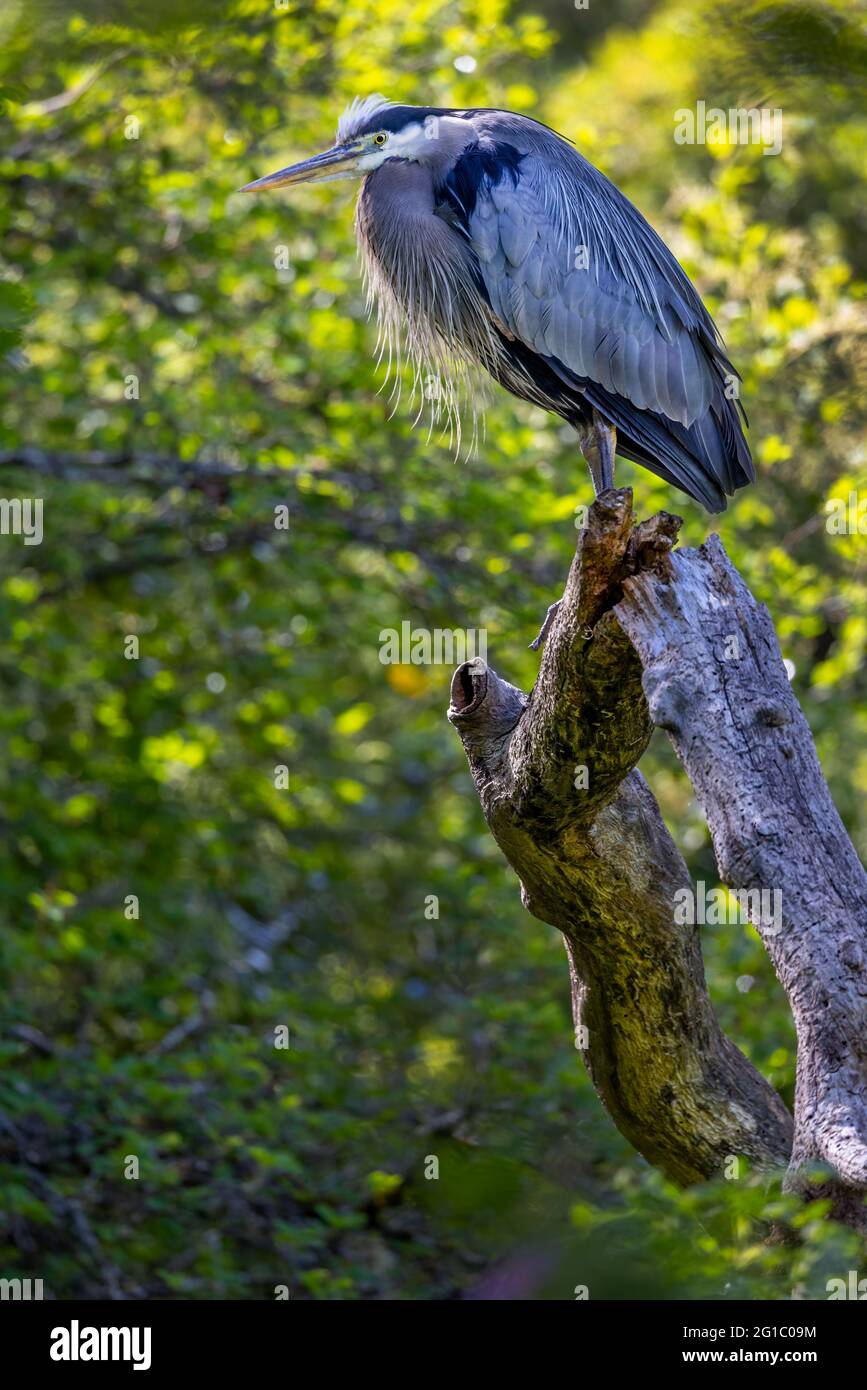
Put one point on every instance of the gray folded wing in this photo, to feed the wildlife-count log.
(574, 272)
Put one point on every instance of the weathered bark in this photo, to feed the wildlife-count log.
(555, 773)
(715, 680)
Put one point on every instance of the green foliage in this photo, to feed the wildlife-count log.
(128, 254)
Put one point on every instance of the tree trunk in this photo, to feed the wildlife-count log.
(645, 636)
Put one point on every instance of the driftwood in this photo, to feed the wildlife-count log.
(645, 635)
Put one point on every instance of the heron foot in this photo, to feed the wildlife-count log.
(546, 626)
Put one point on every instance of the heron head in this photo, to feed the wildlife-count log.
(371, 131)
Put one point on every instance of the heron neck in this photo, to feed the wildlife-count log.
(398, 189)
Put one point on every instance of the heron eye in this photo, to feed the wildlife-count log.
(380, 139)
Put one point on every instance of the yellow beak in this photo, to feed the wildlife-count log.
(331, 164)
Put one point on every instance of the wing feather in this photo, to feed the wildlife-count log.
(576, 275)
(552, 214)
(610, 334)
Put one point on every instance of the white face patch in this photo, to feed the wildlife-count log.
(413, 142)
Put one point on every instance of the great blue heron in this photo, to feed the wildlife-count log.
(488, 240)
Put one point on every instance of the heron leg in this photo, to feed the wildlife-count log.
(599, 445)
